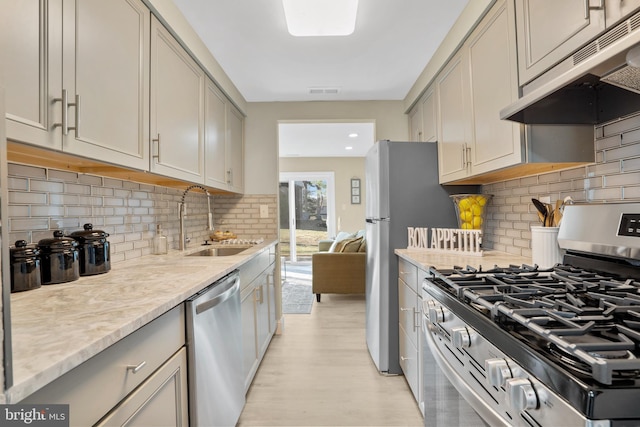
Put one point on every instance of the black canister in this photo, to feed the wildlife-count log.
(25, 267)
(93, 248)
(59, 259)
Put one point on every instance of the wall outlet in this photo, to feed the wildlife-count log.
(264, 211)
(545, 199)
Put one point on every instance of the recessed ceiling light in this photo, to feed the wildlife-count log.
(353, 135)
(320, 17)
(348, 148)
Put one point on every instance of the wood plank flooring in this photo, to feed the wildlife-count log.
(319, 373)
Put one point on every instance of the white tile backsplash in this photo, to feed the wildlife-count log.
(614, 177)
(42, 200)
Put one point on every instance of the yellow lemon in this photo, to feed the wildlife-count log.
(464, 204)
(481, 200)
(477, 223)
(466, 226)
(466, 216)
(477, 210)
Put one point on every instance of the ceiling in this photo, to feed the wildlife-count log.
(391, 45)
(325, 139)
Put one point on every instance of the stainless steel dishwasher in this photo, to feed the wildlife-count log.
(214, 342)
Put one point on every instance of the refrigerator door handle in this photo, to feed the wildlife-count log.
(371, 221)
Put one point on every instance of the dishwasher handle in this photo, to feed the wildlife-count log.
(224, 290)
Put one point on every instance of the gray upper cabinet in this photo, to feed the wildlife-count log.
(422, 118)
(493, 83)
(475, 85)
(429, 116)
(224, 141)
(177, 109)
(106, 74)
(454, 133)
(415, 123)
(235, 149)
(215, 136)
(32, 69)
(70, 89)
(551, 30)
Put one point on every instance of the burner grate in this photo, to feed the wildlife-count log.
(589, 317)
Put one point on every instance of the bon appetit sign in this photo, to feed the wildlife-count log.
(445, 240)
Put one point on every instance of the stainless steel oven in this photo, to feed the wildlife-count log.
(443, 404)
(547, 347)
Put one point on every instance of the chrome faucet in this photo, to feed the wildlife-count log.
(182, 214)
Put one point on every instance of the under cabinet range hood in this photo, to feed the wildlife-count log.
(598, 83)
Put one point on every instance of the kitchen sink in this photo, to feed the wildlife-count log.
(218, 252)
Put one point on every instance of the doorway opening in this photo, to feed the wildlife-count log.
(307, 213)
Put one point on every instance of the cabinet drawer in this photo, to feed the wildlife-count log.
(409, 312)
(409, 363)
(160, 401)
(96, 386)
(408, 273)
(252, 269)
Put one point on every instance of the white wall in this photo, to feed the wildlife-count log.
(348, 217)
(261, 131)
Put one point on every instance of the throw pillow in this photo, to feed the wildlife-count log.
(340, 237)
(351, 245)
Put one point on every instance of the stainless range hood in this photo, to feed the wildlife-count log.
(592, 86)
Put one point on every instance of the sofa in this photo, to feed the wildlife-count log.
(340, 265)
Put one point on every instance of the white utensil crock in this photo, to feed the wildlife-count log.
(545, 251)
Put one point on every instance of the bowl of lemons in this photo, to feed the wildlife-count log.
(470, 209)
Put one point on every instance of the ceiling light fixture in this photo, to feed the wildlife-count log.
(348, 148)
(307, 18)
(353, 135)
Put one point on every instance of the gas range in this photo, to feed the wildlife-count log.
(548, 347)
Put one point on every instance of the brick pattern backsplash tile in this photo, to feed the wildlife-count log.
(614, 177)
(42, 200)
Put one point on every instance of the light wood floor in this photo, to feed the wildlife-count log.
(319, 373)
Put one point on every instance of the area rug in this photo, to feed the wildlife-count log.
(297, 298)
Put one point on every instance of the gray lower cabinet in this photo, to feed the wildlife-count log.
(258, 310)
(160, 401)
(142, 373)
(410, 279)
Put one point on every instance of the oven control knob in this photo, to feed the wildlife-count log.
(498, 371)
(521, 395)
(438, 314)
(461, 337)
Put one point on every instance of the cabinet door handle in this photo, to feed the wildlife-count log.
(157, 145)
(468, 150)
(404, 358)
(135, 368)
(229, 175)
(65, 113)
(76, 104)
(416, 319)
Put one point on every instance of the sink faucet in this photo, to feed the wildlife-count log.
(182, 213)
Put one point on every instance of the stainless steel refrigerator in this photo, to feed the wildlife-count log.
(402, 191)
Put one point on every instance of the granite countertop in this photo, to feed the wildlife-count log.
(426, 259)
(57, 327)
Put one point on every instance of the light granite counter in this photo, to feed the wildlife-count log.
(57, 327)
(426, 259)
